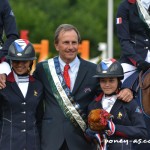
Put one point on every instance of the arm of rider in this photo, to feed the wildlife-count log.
(125, 94)
(2, 81)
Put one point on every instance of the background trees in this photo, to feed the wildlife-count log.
(42, 17)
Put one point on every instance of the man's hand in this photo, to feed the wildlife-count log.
(143, 65)
(126, 95)
(2, 81)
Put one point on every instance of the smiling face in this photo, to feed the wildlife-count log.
(21, 67)
(109, 85)
(67, 45)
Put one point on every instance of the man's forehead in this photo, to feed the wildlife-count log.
(67, 32)
(68, 35)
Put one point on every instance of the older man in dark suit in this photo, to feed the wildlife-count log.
(7, 26)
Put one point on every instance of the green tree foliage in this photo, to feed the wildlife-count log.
(42, 17)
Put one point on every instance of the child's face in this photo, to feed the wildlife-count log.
(21, 67)
(109, 85)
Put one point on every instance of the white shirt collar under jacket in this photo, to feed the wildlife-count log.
(73, 71)
(108, 102)
(146, 3)
(22, 82)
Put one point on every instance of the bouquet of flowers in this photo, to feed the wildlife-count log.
(98, 119)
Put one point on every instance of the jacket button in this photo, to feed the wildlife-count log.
(23, 130)
(146, 39)
(23, 121)
(24, 112)
(24, 103)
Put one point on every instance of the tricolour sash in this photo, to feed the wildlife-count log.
(144, 15)
(62, 93)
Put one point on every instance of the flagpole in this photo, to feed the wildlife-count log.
(110, 29)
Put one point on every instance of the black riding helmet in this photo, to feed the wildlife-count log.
(22, 50)
(109, 68)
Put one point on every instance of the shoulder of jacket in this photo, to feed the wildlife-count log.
(131, 106)
(85, 62)
(42, 62)
(132, 1)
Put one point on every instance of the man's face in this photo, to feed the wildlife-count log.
(67, 45)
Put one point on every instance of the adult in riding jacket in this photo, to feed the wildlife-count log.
(19, 101)
(8, 27)
(133, 30)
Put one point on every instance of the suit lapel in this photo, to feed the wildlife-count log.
(31, 91)
(116, 106)
(80, 76)
(14, 86)
(17, 90)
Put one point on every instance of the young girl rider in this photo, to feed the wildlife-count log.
(128, 123)
(19, 100)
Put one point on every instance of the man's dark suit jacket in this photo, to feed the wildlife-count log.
(55, 126)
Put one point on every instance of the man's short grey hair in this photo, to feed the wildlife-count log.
(66, 27)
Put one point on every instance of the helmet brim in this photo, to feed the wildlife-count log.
(20, 58)
(108, 76)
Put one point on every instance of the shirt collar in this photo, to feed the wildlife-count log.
(110, 98)
(11, 77)
(72, 65)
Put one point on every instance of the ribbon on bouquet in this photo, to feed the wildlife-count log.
(112, 128)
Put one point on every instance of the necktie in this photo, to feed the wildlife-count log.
(66, 75)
